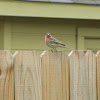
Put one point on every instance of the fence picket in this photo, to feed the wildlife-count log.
(51, 76)
(55, 76)
(82, 75)
(98, 74)
(27, 76)
(6, 76)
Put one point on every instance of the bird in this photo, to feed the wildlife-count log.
(53, 43)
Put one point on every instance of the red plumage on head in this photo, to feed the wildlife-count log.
(48, 35)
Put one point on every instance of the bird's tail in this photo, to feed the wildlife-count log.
(63, 45)
(68, 48)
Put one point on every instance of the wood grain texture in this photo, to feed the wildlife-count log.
(98, 74)
(82, 75)
(55, 76)
(27, 76)
(6, 76)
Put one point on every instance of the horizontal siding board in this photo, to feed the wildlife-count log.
(38, 9)
(43, 27)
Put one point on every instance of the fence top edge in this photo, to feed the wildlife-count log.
(98, 52)
(49, 51)
(7, 51)
(15, 53)
(46, 51)
(85, 51)
(18, 52)
(70, 53)
(43, 53)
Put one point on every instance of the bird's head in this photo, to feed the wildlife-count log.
(48, 35)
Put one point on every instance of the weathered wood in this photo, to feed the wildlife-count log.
(82, 75)
(98, 74)
(27, 76)
(55, 75)
(6, 76)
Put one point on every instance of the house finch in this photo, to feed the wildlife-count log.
(53, 43)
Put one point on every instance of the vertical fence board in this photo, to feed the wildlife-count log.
(6, 76)
(55, 76)
(98, 74)
(82, 75)
(27, 76)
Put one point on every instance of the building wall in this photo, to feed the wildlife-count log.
(22, 33)
(1, 34)
(29, 33)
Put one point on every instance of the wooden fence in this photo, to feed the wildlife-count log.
(50, 76)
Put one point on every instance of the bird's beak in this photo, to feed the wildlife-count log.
(48, 35)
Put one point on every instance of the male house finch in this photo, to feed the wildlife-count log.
(53, 43)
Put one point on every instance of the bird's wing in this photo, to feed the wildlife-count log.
(55, 42)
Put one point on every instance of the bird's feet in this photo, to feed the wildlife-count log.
(54, 49)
